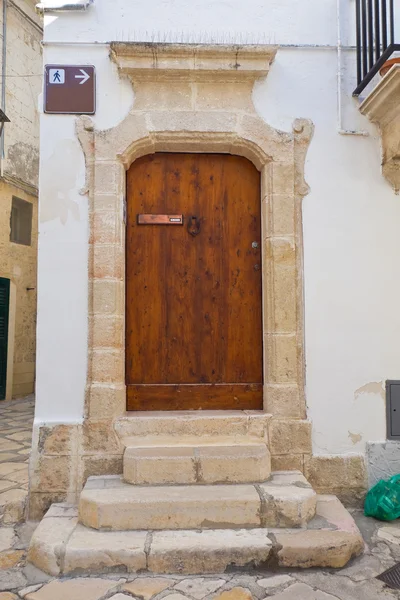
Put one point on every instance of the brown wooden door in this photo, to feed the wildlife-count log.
(193, 302)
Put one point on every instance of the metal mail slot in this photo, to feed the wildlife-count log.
(160, 219)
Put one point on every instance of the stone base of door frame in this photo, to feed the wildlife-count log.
(65, 455)
(197, 496)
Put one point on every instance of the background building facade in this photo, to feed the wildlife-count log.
(21, 84)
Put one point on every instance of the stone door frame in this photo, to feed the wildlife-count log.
(180, 112)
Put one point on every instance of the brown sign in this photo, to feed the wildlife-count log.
(70, 90)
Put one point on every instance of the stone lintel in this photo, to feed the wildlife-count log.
(193, 61)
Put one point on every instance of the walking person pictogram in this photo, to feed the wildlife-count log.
(56, 76)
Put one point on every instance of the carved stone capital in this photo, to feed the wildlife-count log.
(382, 107)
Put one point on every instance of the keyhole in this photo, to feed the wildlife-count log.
(193, 225)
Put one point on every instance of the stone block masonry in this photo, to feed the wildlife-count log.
(19, 178)
(19, 264)
(24, 84)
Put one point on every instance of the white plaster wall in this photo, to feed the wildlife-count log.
(351, 216)
(351, 270)
(63, 243)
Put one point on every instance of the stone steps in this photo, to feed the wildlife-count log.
(62, 546)
(287, 500)
(193, 462)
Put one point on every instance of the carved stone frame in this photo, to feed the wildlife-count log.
(181, 112)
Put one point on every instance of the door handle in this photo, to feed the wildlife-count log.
(193, 225)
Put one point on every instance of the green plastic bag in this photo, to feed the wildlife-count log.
(383, 500)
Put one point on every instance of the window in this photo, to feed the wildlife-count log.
(21, 222)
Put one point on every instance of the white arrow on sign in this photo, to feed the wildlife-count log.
(85, 77)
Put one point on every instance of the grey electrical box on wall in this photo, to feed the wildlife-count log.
(393, 409)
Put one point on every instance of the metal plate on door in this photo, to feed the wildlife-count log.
(160, 219)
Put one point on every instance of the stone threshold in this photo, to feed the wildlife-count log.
(62, 546)
(234, 424)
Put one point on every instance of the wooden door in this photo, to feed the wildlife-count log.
(193, 290)
(4, 310)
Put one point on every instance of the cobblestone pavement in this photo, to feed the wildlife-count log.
(16, 419)
(21, 580)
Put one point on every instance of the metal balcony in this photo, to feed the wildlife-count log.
(376, 35)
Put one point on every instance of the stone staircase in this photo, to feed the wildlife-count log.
(196, 496)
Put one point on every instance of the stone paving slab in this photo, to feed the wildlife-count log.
(301, 591)
(89, 589)
(237, 593)
(199, 587)
(147, 587)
